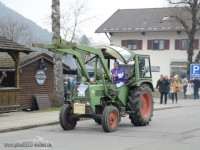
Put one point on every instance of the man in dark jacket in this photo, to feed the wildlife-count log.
(157, 85)
(196, 83)
(164, 87)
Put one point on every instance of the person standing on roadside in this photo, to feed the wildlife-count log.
(184, 82)
(175, 85)
(170, 80)
(196, 83)
(161, 78)
(164, 87)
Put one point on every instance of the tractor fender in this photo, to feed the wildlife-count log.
(67, 102)
(114, 104)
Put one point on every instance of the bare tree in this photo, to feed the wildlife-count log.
(187, 14)
(74, 18)
(57, 58)
(16, 30)
(85, 41)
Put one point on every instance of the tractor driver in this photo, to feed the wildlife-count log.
(118, 74)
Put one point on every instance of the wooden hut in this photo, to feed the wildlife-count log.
(34, 79)
(9, 96)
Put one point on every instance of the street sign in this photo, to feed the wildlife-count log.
(154, 68)
(194, 70)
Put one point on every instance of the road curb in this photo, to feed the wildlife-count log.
(32, 126)
(27, 127)
(167, 108)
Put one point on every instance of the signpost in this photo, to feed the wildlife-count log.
(194, 70)
(154, 68)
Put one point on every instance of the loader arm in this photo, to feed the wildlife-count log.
(63, 47)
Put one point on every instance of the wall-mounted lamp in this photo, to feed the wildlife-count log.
(110, 33)
(178, 32)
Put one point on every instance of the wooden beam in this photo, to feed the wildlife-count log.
(15, 56)
(17, 70)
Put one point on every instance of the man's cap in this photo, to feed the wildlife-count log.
(116, 62)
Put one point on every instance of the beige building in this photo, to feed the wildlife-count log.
(150, 31)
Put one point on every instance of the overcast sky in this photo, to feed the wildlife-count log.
(37, 10)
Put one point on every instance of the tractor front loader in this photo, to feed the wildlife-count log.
(100, 99)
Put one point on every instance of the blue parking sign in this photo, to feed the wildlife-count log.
(194, 70)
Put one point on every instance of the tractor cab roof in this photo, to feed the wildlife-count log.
(117, 52)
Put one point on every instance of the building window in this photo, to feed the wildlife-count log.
(132, 44)
(184, 44)
(178, 70)
(158, 44)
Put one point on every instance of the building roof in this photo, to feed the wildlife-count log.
(7, 62)
(141, 20)
(9, 45)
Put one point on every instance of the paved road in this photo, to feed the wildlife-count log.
(170, 129)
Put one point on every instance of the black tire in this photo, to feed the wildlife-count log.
(141, 101)
(64, 117)
(108, 124)
(98, 121)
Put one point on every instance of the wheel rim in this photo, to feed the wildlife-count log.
(113, 119)
(145, 105)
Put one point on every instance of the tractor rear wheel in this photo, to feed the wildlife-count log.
(66, 121)
(141, 101)
(110, 119)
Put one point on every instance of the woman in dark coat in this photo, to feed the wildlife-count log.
(164, 88)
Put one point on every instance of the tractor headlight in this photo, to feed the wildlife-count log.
(88, 102)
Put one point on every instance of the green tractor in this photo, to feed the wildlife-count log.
(100, 99)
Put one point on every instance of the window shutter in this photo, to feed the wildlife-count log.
(177, 44)
(150, 44)
(196, 44)
(124, 43)
(139, 44)
(166, 45)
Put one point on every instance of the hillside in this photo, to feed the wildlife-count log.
(39, 32)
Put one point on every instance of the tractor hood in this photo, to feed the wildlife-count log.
(120, 53)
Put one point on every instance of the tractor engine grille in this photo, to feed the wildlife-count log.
(75, 92)
(81, 98)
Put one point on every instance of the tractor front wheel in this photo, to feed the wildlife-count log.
(65, 119)
(141, 101)
(110, 119)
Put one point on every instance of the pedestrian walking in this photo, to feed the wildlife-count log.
(175, 85)
(164, 88)
(184, 82)
(196, 83)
